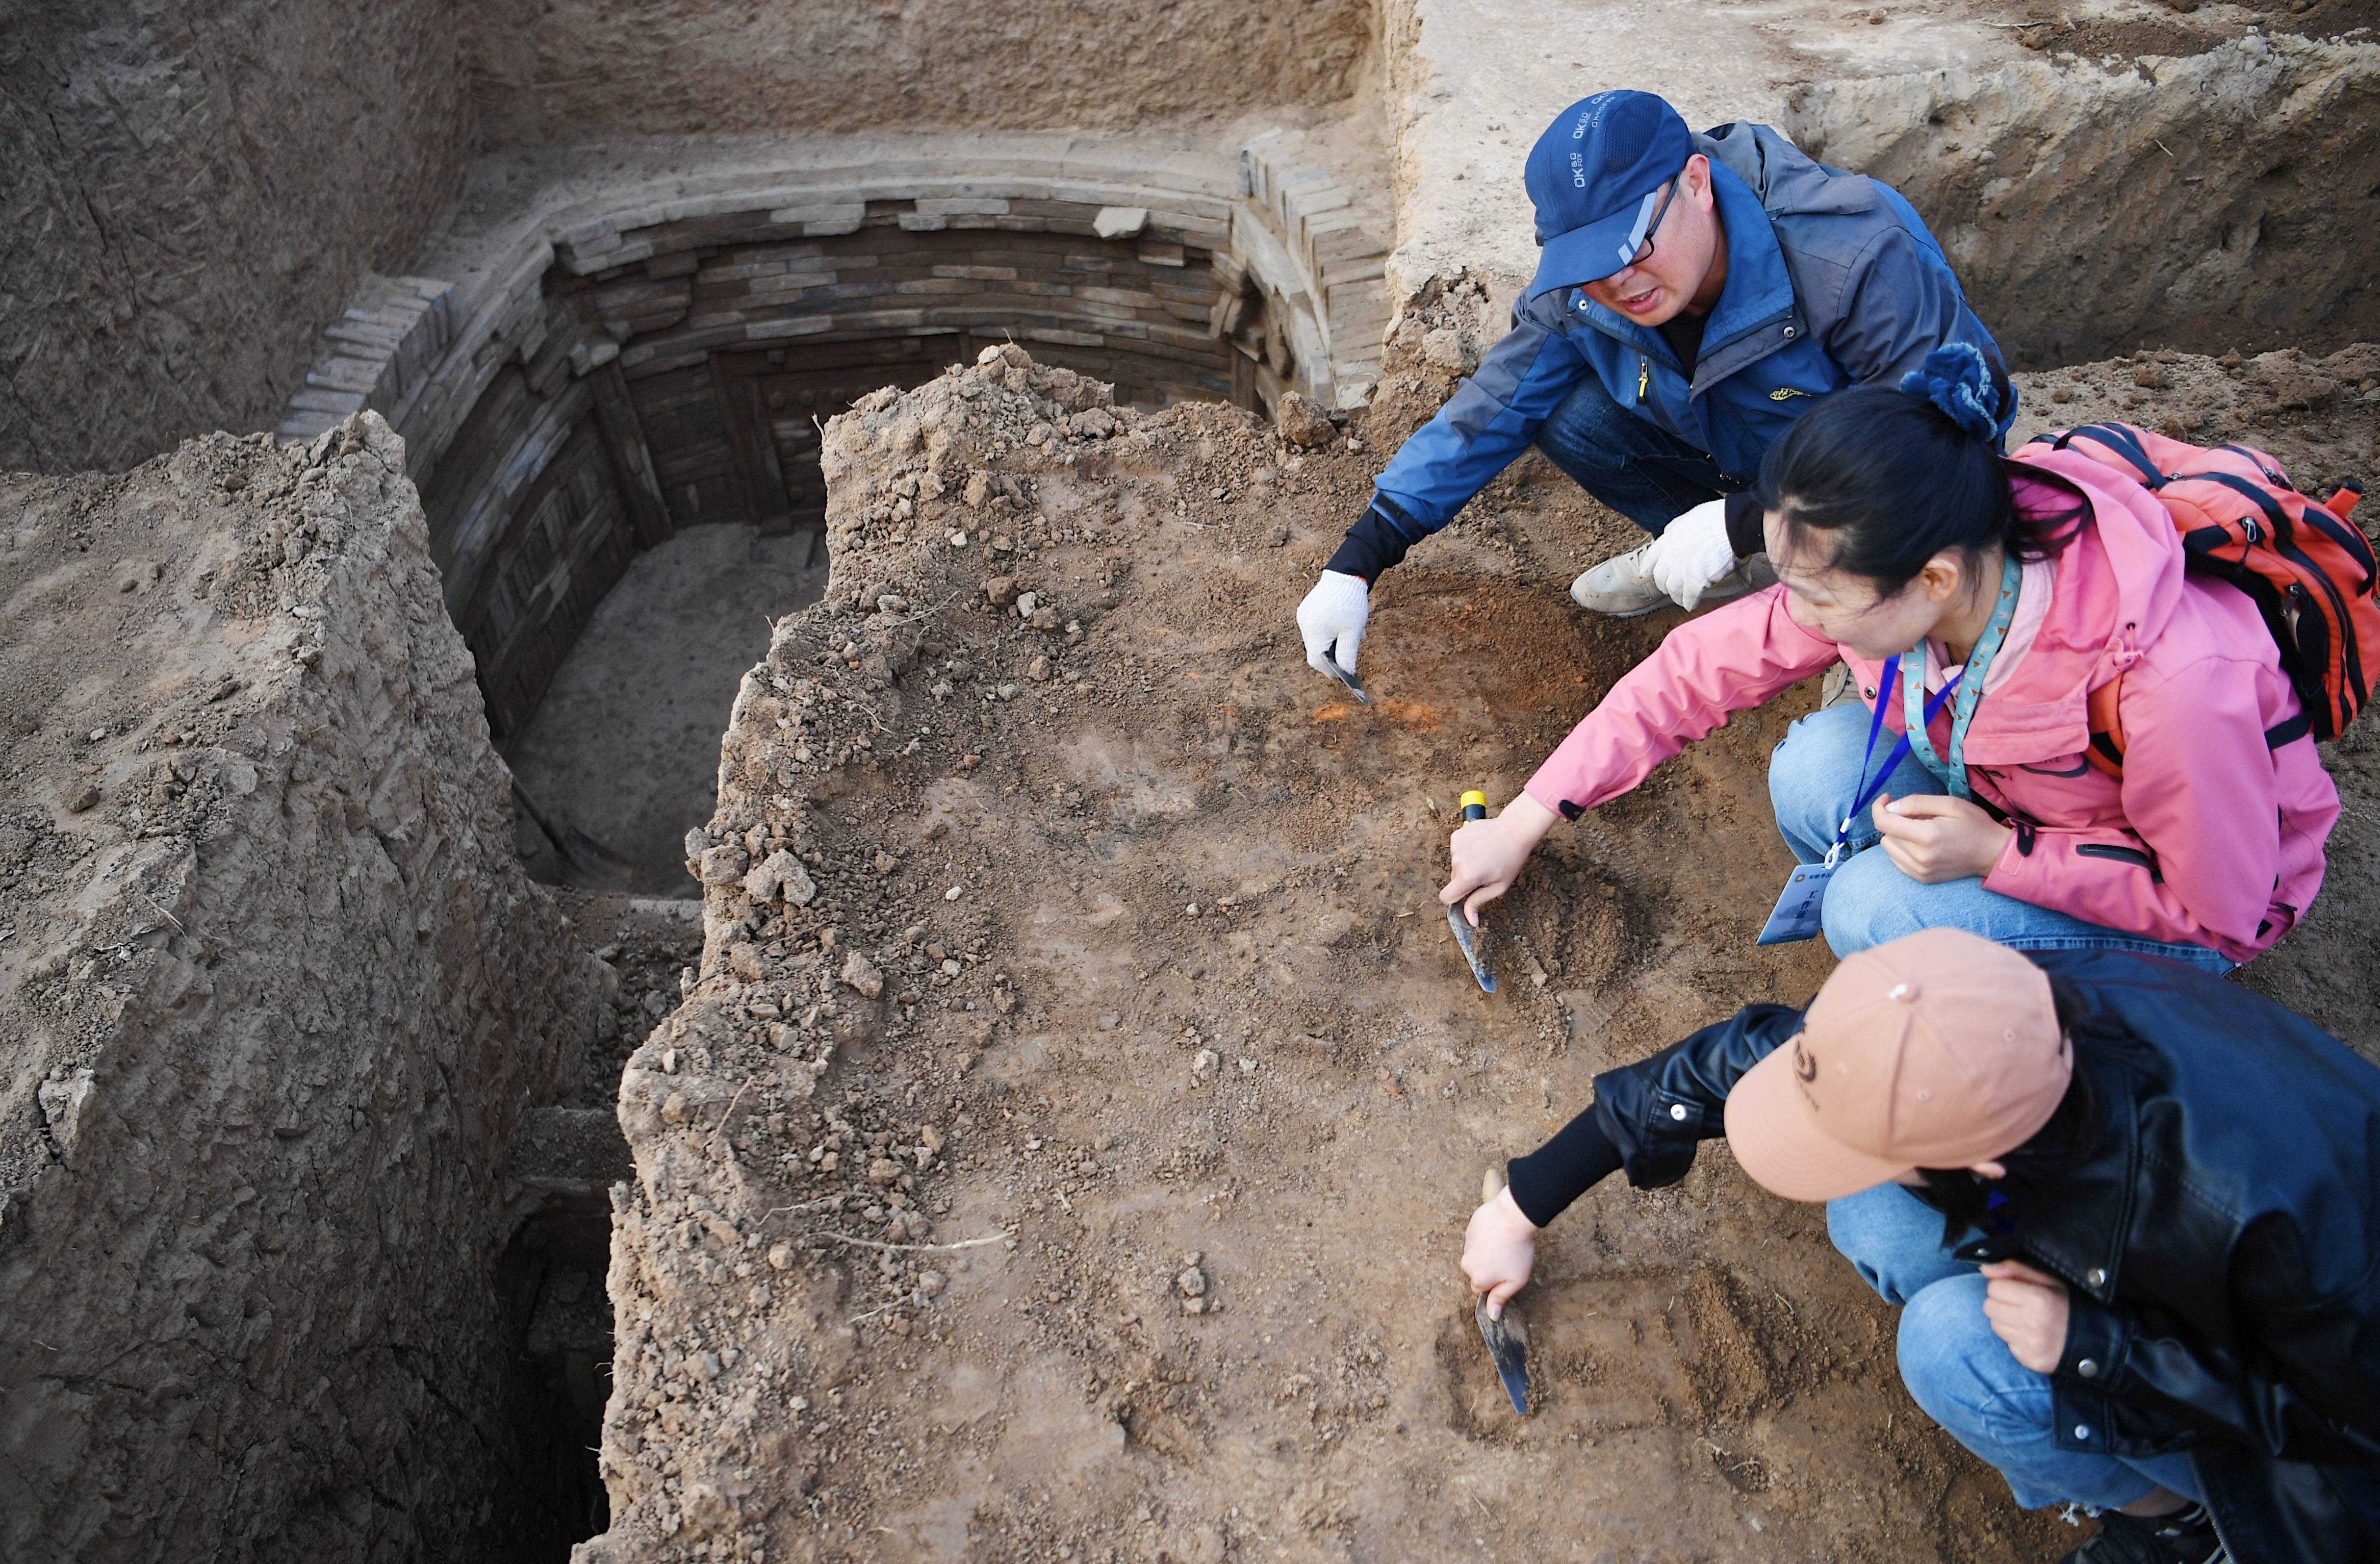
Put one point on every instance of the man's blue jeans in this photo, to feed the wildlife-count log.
(1638, 469)
(1961, 1373)
(1813, 774)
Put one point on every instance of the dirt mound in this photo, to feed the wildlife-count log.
(276, 996)
(1065, 1147)
(2319, 415)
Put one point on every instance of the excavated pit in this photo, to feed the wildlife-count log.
(736, 350)
(653, 376)
(312, 1170)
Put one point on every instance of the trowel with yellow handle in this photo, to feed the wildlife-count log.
(1475, 807)
(1507, 1337)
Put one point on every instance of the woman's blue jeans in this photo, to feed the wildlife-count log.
(1813, 774)
(1635, 466)
(1962, 1374)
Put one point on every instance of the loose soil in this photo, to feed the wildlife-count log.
(1080, 1171)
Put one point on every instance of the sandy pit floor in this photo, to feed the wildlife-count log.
(625, 744)
(1106, 1230)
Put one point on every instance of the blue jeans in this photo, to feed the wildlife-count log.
(1637, 468)
(1813, 774)
(1961, 1373)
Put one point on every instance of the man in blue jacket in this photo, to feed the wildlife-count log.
(1696, 294)
(2129, 1214)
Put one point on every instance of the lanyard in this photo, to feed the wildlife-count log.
(1952, 774)
(1871, 786)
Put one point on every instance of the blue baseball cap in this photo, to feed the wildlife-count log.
(1595, 176)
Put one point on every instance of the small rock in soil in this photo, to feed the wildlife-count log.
(780, 871)
(1302, 423)
(722, 865)
(861, 974)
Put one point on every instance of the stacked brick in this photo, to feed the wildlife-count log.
(382, 347)
(916, 268)
(1337, 240)
(663, 357)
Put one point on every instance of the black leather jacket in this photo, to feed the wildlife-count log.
(2221, 1246)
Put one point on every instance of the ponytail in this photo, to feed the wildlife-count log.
(1896, 477)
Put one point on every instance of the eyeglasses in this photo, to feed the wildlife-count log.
(1660, 211)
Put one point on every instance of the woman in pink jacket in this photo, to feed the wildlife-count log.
(2004, 590)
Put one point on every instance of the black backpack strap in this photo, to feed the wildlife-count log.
(2272, 475)
(2289, 732)
(2124, 443)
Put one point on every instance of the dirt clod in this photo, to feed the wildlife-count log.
(1302, 423)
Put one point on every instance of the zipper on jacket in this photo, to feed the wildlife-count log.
(2224, 1552)
(1644, 375)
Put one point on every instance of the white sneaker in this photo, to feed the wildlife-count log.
(1621, 587)
(1839, 688)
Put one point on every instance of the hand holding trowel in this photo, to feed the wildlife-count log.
(1499, 1252)
(1461, 915)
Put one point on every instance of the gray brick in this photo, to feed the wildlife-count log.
(314, 399)
(799, 325)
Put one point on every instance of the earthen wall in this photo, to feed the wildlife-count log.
(583, 69)
(2203, 203)
(192, 189)
(277, 995)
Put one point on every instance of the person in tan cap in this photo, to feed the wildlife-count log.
(2130, 1215)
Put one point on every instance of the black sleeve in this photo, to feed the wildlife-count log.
(1648, 1117)
(1658, 1110)
(1377, 540)
(2306, 1389)
(1745, 520)
(1546, 1181)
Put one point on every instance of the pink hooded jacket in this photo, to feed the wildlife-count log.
(2210, 837)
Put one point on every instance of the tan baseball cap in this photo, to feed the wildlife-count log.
(1940, 1049)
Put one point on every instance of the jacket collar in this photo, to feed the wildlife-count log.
(2118, 583)
(2079, 1233)
(1787, 180)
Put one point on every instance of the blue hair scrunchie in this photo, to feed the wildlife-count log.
(1959, 383)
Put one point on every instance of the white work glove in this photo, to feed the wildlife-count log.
(1692, 552)
(1333, 615)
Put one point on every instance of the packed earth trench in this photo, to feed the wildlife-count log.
(703, 907)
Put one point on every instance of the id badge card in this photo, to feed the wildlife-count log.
(1797, 915)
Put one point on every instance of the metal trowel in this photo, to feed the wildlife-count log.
(1468, 938)
(1354, 686)
(1507, 1338)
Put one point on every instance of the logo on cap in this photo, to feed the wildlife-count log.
(1636, 240)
